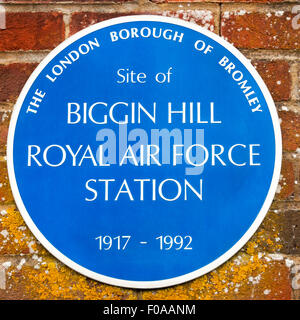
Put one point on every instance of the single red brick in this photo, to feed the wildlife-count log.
(274, 283)
(32, 31)
(276, 75)
(287, 182)
(271, 30)
(204, 18)
(290, 235)
(4, 123)
(11, 290)
(82, 20)
(13, 78)
(290, 129)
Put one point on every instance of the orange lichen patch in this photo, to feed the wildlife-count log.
(239, 277)
(15, 237)
(5, 191)
(230, 279)
(268, 237)
(45, 278)
(243, 277)
(179, 292)
(247, 275)
(215, 285)
(48, 279)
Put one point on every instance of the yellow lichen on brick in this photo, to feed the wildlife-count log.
(267, 237)
(263, 241)
(235, 277)
(223, 283)
(179, 292)
(46, 278)
(52, 280)
(6, 196)
(15, 237)
(230, 278)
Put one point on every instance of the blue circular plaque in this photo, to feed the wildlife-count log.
(144, 151)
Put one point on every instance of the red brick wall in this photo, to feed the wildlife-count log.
(263, 30)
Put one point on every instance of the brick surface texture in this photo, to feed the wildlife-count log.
(32, 31)
(265, 32)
